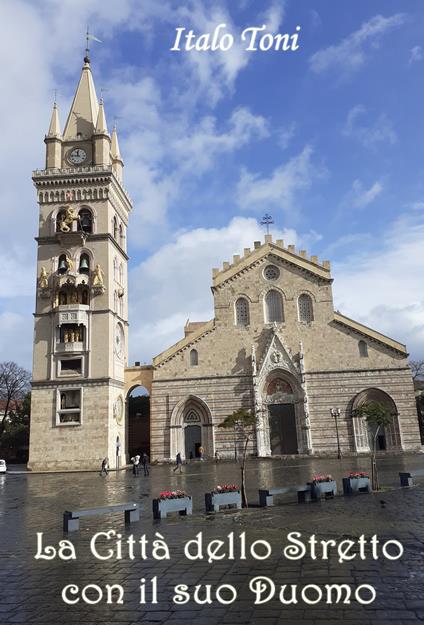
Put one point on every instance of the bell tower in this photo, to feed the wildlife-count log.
(81, 313)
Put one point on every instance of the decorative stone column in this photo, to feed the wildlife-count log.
(306, 428)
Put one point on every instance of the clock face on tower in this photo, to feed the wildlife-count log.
(119, 340)
(77, 156)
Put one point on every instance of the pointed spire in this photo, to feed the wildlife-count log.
(54, 128)
(84, 111)
(101, 126)
(114, 148)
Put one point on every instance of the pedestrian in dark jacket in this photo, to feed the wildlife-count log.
(105, 467)
(179, 463)
(145, 463)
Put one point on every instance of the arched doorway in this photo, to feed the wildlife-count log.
(282, 399)
(191, 428)
(138, 411)
(389, 437)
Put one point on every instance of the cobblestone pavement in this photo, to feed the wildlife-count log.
(31, 589)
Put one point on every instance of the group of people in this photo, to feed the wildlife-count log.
(144, 461)
(137, 460)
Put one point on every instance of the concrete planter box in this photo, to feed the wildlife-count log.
(215, 501)
(353, 485)
(161, 507)
(326, 489)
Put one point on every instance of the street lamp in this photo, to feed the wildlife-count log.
(335, 412)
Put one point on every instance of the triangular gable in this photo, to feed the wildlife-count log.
(369, 333)
(276, 356)
(252, 258)
(184, 344)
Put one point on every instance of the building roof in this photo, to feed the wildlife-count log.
(368, 332)
(54, 128)
(288, 254)
(186, 342)
(193, 326)
(84, 111)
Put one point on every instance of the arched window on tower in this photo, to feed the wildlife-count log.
(306, 311)
(84, 264)
(121, 274)
(194, 358)
(62, 265)
(121, 235)
(115, 269)
(363, 349)
(59, 218)
(115, 301)
(273, 307)
(85, 221)
(115, 228)
(242, 312)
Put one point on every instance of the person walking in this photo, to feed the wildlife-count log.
(201, 453)
(145, 464)
(217, 457)
(179, 463)
(105, 467)
(137, 464)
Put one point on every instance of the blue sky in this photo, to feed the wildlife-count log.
(328, 139)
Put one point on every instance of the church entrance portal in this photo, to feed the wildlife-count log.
(282, 426)
(193, 441)
(138, 435)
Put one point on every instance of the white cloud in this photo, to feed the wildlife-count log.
(285, 135)
(416, 54)
(351, 53)
(370, 135)
(382, 287)
(273, 16)
(361, 197)
(281, 189)
(173, 283)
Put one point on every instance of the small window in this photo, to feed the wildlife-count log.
(84, 264)
(115, 228)
(85, 221)
(59, 219)
(242, 312)
(194, 358)
(306, 311)
(84, 297)
(71, 333)
(71, 366)
(271, 272)
(273, 307)
(62, 265)
(121, 235)
(69, 407)
(363, 349)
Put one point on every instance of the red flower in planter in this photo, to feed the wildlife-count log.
(172, 494)
(357, 474)
(322, 478)
(226, 488)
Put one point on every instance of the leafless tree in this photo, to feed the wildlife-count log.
(14, 385)
(417, 368)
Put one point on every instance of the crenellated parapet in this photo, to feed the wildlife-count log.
(253, 257)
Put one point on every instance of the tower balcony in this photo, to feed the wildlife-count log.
(70, 348)
(72, 313)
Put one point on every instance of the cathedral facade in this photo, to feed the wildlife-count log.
(275, 345)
